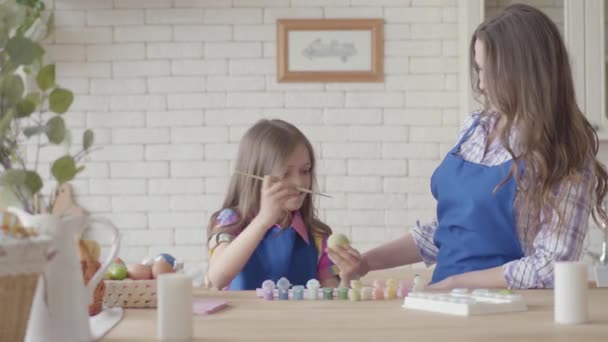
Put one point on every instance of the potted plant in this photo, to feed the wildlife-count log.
(32, 106)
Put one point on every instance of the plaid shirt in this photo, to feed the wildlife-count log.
(535, 269)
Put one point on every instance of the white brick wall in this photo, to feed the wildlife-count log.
(169, 87)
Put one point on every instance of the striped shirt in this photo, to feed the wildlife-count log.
(535, 269)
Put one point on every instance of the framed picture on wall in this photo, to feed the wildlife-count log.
(330, 50)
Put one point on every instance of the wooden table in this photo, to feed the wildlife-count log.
(252, 319)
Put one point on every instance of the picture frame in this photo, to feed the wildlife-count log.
(330, 50)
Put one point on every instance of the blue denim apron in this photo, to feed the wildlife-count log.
(476, 227)
(281, 253)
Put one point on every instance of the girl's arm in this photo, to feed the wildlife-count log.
(228, 259)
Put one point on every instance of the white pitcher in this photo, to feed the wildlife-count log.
(60, 307)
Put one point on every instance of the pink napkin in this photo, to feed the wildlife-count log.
(208, 306)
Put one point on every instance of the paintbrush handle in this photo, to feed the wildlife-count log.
(299, 189)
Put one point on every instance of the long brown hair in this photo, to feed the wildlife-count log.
(528, 80)
(265, 147)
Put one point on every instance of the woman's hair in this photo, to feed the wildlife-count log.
(265, 147)
(528, 80)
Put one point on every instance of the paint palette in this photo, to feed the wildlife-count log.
(461, 302)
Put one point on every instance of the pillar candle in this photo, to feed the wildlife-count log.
(174, 312)
(570, 292)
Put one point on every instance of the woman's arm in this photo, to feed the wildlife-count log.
(555, 241)
(402, 251)
(490, 278)
(352, 265)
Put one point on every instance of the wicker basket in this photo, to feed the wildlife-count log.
(130, 293)
(21, 263)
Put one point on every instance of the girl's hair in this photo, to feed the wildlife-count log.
(528, 80)
(265, 147)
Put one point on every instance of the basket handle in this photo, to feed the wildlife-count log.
(98, 276)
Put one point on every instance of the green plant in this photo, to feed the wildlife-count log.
(32, 105)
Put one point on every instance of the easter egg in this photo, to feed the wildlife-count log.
(139, 272)
(117, 272)
(161, 266)
(168, 258)
(148, 262)
(337, 240)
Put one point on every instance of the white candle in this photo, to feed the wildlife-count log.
(174, 307)
(570, 292)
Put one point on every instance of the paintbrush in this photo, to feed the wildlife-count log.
(299, 189)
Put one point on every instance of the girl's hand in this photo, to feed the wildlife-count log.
(349, 261)
(273, 194)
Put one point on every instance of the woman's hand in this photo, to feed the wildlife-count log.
(446, 284)
(273, 194)
(349, 261)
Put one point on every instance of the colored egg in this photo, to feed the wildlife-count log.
(168, 258)
(161, 266)
(139, 272)
(148, 262)
(337, 240)
(117, 272)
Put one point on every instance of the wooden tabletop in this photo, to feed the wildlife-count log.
(252, 319)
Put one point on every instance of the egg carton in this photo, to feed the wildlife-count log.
(461, 302)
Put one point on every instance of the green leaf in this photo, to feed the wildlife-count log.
(8, 197)
(13, 178)
(23, 51)
(87, 139)
(46, 77)
(64, 169)
(25, 107)
(34, 130)
(33, 181)
(11, 90)
(60, 100)
(55, 130)
(5, 121)
(50, 26)
(34, 97)
(29, 3)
